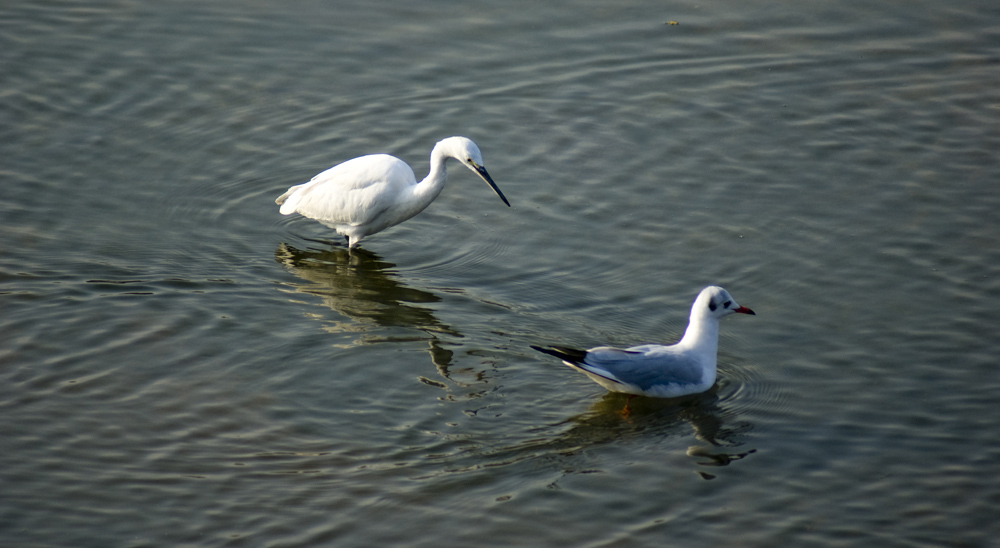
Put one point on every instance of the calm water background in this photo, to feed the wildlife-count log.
(182, 366)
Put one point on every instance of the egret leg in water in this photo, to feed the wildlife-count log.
(369, 194)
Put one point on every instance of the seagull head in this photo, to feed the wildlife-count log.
(716, 302)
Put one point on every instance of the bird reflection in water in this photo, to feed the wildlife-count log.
(567, 442)
(712, 423)
(366, 293)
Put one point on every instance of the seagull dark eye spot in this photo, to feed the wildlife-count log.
(726, 304)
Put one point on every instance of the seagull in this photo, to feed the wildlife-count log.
(687, 367)
(371, 193)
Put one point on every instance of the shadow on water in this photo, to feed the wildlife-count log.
(362, 288)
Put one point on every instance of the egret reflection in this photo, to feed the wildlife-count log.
(368, 298)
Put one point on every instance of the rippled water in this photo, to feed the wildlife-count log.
(181, 365)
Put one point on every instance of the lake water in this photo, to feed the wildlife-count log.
(180, 365)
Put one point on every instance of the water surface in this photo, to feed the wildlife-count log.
(180, 365)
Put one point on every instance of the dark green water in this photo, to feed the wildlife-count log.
(180, 365)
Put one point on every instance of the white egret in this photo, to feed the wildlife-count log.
(371, 193)
(687, 367)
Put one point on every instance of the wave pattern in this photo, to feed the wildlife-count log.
(181, 365)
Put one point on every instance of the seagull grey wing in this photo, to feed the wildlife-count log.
(607, 362)
(644, 370)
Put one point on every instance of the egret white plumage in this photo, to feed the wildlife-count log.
(371, 193)
(688, 367)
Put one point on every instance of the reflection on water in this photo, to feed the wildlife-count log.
(606, 423)
(702, 412)
(616, 416)
(362, 288)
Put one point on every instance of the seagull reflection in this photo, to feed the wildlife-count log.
(712, 424)
(701, 412)
(364, 290)
(650, 420)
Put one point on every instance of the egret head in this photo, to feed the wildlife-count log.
(465, 151)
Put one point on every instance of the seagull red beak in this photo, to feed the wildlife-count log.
(744, 310)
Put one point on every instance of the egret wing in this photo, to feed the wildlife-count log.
(351, 193)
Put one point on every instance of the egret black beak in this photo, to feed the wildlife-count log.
(489, 180)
